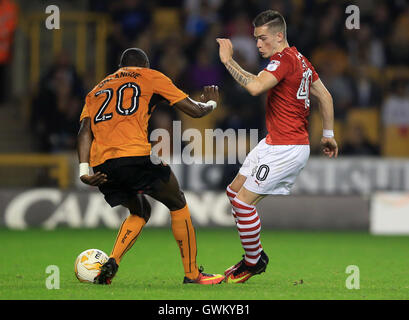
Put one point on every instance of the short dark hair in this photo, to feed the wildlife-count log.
(134, 57)
(273, 19)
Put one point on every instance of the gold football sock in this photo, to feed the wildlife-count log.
(127, 235)
(185, 236)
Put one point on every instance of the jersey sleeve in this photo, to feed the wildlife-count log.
(315, 76)
(278, 67)
(163, 86)
(84, 113)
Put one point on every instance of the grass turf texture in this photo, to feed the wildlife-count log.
(152, 269)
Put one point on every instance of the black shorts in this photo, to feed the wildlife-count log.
(129, 176)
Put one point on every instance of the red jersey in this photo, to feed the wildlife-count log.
(288, 103)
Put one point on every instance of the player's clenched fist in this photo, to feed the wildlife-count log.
(329, 147)
(225, 49)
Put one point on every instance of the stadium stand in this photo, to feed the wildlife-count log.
(395, 141)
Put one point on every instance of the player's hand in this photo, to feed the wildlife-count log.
(329, 147)
(210, 93)
(225, 49)
(96, 179)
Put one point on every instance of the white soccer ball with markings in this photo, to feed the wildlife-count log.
(88, 264)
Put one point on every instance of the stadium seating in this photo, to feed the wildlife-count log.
(395, 141)
(166, 22)
(369, 120)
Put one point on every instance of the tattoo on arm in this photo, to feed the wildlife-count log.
(241, 76)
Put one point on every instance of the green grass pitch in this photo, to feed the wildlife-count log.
(152, 269)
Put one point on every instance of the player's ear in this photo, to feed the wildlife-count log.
(280, 36)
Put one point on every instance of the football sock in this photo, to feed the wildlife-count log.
(127, 235)
(185, 236)
(249, 227)
(231, 195)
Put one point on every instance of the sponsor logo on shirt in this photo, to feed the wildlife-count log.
(273, 65)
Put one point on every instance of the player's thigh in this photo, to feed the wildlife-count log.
(251, 162)
(247, 168)
(169, 193)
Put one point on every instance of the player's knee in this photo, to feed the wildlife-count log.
(237, 183)
(141, 207)
(146, 209)
(178, 202)
(231, 194)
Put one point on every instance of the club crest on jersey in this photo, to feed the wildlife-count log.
(273, 65)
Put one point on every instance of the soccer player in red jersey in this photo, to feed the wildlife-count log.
(272, 166)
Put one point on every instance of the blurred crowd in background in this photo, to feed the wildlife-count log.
(365, 69)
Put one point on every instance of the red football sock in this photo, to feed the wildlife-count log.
(249, 227)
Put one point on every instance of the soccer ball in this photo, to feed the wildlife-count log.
(88, 264)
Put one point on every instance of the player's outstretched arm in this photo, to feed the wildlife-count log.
(84, 141)
(208, 101)
(255, 85)
(326, 107)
